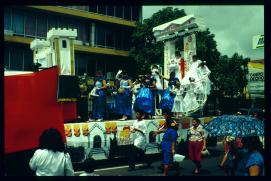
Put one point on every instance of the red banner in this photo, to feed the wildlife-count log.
(30, 107)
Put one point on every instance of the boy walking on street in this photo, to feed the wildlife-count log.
(139, 143)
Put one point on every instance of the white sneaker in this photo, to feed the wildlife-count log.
(99, 120)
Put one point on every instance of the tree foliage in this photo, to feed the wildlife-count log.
(145, 50)
(227, 74)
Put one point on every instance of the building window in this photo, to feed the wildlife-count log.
(7, 18)
(100, 35)
(52, 22)
(127, 12)
(6, 58)
(97, 141)
(119, 11)
(64, 44)
(135, 13)
(81, 61)
(82, 32)
(101, 10)
(119, 36)
(18, 22)
(28, 60)
(64, 22)
(16, 57)
(30, 24)
(110, 37)
(93, 9)
(41, 26)
(110, 10)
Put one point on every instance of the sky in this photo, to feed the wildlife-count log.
(233, 26)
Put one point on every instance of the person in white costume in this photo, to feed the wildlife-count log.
(179, 104)
(190, 98)
(192, 72)
(204, 82)
(173, 66)
(155, 75)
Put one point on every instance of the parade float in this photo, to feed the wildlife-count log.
(48, 97)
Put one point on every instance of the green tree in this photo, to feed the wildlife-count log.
(207, 48)
(229, 75)
(145, 50)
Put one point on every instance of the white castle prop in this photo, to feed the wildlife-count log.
(58, 50)
(198, 88)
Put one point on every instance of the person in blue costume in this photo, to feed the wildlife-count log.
(99, 102)
(168, 145)
(124, 96)
(144, 99)
(151, 83)
(167, 99)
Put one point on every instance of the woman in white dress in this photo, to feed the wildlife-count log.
(192, 72)
(179, 104)
(155, 75)
(203, 74)
(190, 98)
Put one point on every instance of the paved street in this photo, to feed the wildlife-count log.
(209, 167)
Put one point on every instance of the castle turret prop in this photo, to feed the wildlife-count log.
(58, 50)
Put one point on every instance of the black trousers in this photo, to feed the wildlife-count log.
(136, 154)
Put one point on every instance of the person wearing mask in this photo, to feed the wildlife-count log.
(51, 159)
(99, 102)
(197, 144)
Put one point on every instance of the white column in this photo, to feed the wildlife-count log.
(169, 50)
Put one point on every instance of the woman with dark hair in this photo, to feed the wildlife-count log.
(99, 103)
(197, 143)
(255, 162)
(124, 96)
(252, 164)
(50, 159)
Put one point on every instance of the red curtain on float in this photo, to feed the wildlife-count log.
(69, 110)
(30, 107)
